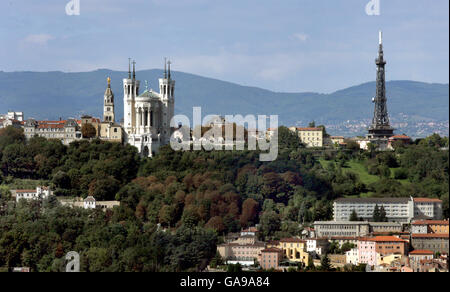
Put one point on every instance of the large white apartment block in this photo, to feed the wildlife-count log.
(397, 209)
(39, 193)
(425, 208)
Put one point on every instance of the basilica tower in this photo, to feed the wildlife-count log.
(380, 128)
(167, 93)
(131, 91)
(108, 104)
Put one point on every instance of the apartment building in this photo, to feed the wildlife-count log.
(271, 258)
(311, 137)
(437, 243)
(429, 226)
(397, 209)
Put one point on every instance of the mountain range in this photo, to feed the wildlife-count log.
(416, 108)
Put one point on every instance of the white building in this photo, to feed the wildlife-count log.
(397, 209)
(89, 202)
(351, 229)
(147, 116)
(317, 246)
(352, 256)
(39, 193)
(427, 208)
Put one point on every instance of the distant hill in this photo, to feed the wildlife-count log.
(416, 108)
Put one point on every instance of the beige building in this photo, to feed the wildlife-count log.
(311, 137)
(65, 130)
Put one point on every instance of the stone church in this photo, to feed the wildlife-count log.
(147, 115)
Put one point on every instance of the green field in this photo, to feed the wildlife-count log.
(359, 168)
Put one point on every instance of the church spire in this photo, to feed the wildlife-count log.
(165, 68)
(129, 68)
(168, 63)
(134, 70)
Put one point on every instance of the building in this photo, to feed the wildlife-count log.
(375, 250)
(416, 256)
(244, 249)
(311, 137)
(437, 243)
(109, 130)
(386, 227)
(39, 193)
(66, 131)
(367, 253)
(387, 245)
(14, 119)
(147, 116)
(317, 246)
(397, 209)
(337, 140)
(271, 258)
(380, 130)
(398, 139)
(330, 229)
(427, 208)
(294, 250)
(352, 256)
(429, 226)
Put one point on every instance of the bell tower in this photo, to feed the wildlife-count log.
(108, 104)
(167, 93)
(130, 92)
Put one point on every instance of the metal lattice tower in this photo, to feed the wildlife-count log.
(380, 127)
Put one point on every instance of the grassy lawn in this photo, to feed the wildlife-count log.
(359, 168)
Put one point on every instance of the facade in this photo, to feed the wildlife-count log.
(337, 140)
(429, 226)
(397, 209)
(416, 256)
(352, 256)
(38, 193)
(271, 258)
(386, 227)
(89, 202)
(317, 246)
(437, 243)
(244, 249)
(109, 130)
(330, 229)
(67, 131)
(311, 137)
(367, 253)
(11, 115)
(387, 245)
(294, 250)
(147, 116)
(427, 208)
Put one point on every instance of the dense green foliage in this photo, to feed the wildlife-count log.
(175, 206)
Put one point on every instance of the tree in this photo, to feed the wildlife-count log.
(325, 264)
(354, 216)
(376, 214)
(383, 217)
(270, 223)
(249, 212)
(88, 131)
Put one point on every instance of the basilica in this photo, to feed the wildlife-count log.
(147, 115)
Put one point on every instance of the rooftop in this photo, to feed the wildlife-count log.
(427, 200)
(430, 235)
(421, 252)
(373, 200)
(430, 222)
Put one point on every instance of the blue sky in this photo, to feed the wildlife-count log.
(287, 45)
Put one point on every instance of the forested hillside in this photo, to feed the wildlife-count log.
(176, 207)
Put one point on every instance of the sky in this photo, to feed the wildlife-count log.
(284, 46)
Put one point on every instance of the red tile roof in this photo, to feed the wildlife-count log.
(427, 200)
(403, 137)
(293, 240)
(430, 222)
(421, 252)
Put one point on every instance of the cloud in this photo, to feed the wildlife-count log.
(300, 36)
(37, 39)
